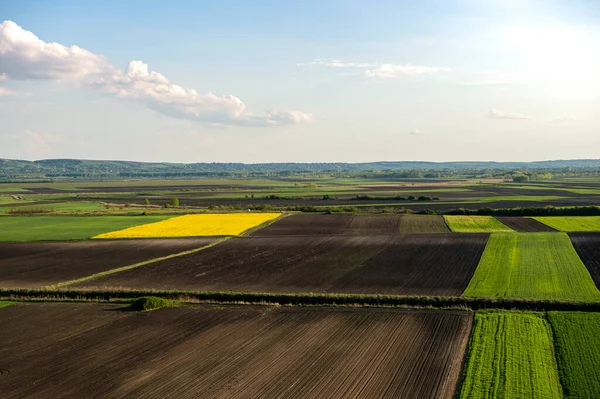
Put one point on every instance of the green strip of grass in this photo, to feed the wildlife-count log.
(577, 352)
(48, 228)
(571, 223)
(511, 355)
(475, 224)
(128, 267)
(531, 265)
(4, 304)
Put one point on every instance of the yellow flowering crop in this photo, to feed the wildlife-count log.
(217, 224)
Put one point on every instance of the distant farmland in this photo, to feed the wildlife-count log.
(475, 224)
(230, 352)
(532, 265)
(417, 264)
(571, 223)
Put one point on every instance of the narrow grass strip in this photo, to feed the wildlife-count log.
(128, 267)
(301, 299)
(4, 304)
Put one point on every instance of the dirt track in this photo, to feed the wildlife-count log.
(93, 351)
(368, 225)
(419, 264)
(587, 246)
(523, 224)
(28, 265)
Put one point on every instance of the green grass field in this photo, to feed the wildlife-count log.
(475, 224)
(69, 206)
(577, 352)
(4, 304)
(47, 228)
(571, 223)
(511, 355)
(531, 265)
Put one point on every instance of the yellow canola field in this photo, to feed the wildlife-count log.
(217, 224)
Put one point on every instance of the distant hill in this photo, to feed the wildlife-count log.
(74, 168)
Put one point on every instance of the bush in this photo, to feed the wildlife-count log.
(147, 303)
(175, 201)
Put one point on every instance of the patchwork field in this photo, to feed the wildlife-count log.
(227, 224)
(587, 246)
(532, 265)
(345, 224)
(60, 228)
(524, 224)
(571, 223)
(511, 355)
(419, 264)
(577, 352)
(28, 265)
(475, 224)
(95, 351)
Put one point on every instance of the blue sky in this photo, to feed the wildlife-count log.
(314, 81)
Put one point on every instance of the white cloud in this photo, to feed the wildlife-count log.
(374, 70)
(5, 92)
(416, 132)
(24, 56)
(490, 83)
(564, 119)
(496, 114)
(3, 77)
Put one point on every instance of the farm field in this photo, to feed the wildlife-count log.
(571, 223)
(229, 352)
(531, 265)
(524, 224)
(510, 355)
(587, 246)
(194, 226)
(345, 224)
(475, 224)
(418, 264)
(60, 228)
(29, 265)
(577, 352)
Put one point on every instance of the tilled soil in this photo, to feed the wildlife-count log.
(54, 350)
(417, 264)
(587, 246)
(524, 224)
(28, 265)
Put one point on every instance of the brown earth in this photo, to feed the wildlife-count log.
(28, 265)
(587, 246)
(54, 350)
(418, 264)
(524, 224)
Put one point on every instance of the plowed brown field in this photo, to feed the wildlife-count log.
(94, 351)
(523, 224)
(368, 225)
(28, 265)
(587, 246)
(420, 264)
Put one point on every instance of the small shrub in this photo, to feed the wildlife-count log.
(147, 303)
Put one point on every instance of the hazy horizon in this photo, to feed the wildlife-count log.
(264, 82)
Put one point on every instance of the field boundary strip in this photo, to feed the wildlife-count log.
(264, 224)
(59, 294)
(133, 266)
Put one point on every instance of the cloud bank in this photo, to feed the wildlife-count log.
(23, 56)
(372, 70)
(496, 114)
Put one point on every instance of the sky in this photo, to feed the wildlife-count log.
(300, 81)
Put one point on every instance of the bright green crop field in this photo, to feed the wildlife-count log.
(571, 223)
(46, 228)
(531, 265)
(4, 304)
(577, 352)
(511, 355)
(475, 224)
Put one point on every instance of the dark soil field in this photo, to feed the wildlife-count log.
(28, 265)
(370, 225)
(418, 264)
(526, 225)
(587, 246)
(54, 350)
